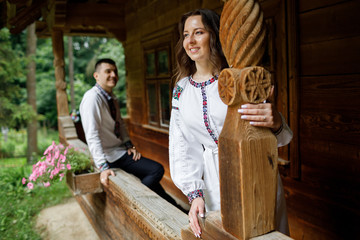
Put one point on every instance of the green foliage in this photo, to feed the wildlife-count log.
(12, 162)
(86, 51)
(14, 111)
(79, 161)
(16, 144)
(19, 207)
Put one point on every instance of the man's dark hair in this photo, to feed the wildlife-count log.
(104, 60)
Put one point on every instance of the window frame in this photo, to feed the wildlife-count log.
(156, 46)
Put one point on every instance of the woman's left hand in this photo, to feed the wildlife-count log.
(261, 115)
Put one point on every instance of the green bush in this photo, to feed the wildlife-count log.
(7, 149)
(80, 162)
(16, 143)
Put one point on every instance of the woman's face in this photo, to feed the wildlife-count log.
(196, 39)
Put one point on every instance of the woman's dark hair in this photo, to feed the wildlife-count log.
(184, 65)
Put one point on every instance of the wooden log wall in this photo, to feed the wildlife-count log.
(152, 22)
(324, 202)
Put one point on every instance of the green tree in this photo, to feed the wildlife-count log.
(14, 111)
(45, 79)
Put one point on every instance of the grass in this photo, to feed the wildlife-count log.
(12, 162)
(19, 206)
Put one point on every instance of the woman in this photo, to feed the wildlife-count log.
(198, 115)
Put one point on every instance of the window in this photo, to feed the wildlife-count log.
(157, 82)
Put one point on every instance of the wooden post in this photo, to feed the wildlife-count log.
(247, 157)
(59, 63)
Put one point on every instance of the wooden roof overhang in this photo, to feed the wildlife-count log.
(101, 18)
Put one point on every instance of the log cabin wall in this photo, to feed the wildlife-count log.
(323, 203)
(152, 29)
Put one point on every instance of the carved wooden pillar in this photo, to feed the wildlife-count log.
(247, 157)
(59, 64)
(247, 154)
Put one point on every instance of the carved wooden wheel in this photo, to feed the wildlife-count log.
(227, 89)
(257, 85)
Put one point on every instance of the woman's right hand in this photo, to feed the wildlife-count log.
(197, 207)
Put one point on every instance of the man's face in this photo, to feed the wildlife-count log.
(106, 76)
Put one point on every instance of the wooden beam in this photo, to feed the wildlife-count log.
(25, 16)
(95, 14)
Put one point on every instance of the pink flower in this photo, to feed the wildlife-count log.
(30, 185)
(23, 180)
(62, 158)
(66, 150)
(46, 184)
(68, 166)
(49, 148)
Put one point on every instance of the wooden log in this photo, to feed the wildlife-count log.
(247, 157)
(130, 210)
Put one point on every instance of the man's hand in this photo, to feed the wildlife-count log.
(136, 155)
(104, 176)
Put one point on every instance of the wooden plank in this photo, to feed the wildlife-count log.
(66, 121)
(326, 116)
(212, 230)
(151, 135)
(70, 133)
(84, 183)
(331, 57)
(301, 229)
(332, 157)
(326, 218)
(109, 221)
(158, 218)
(77, 143)
(272, 236)
(330, 126)
(92, 14)
(129, 210)
(211, 227)
(320, 94)
(334, 22)
(294, 83)
(307, 5)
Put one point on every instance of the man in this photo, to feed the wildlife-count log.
(107, 136)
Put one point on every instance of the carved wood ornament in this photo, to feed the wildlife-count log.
(247, 154)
